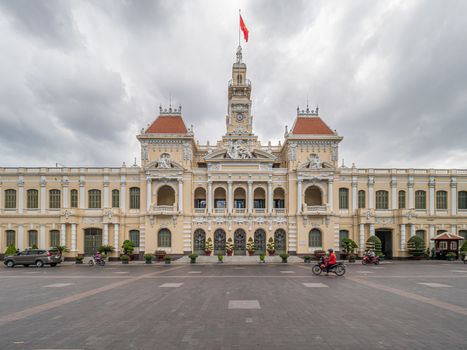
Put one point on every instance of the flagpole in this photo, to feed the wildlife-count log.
(239, 15)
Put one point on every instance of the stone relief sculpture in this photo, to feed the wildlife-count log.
(315, 163)
(238, 150)
(164, 161)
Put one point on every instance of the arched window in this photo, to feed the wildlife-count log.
(315, 239)
(94, 199)
(54, 238)
(279, 241)
(166, 196)
(134, 198)
(54, 199)
(199, 239)
(441, 200)
(115, 198)
(134, 237)
(401, 199)
(239, 198)
(32, 199)
(74, 199)
(462, 202)
(343, 234)
(164, 238)
(420, 199)
(313, 196)
(10, 237)
(343, 198)
(10, 199)
(361, 199)
(219, 198)
(200, 198)
(259, 198)
(382, 200)
(32, 239)
(420, 233)
(279, 198)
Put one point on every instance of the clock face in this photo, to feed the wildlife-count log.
(239, 117)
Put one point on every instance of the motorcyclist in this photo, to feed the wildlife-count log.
(97, 257)
(330, 261)
(371, 254)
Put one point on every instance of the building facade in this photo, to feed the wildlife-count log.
(184, 193)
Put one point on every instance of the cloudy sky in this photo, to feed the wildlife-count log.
(79, 79)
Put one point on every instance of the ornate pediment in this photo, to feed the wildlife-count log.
(314, 163)
(240, 150)
(164, 164)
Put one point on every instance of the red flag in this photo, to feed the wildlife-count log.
(244, 29)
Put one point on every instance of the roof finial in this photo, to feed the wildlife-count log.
(239, 54)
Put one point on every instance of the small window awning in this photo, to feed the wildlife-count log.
(446, 236)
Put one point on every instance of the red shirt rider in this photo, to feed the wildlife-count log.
(331, 260)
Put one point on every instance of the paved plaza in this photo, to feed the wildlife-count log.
(396, 305)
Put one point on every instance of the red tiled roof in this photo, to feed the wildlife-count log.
(167, 124)
(311, 126)
(447, 236)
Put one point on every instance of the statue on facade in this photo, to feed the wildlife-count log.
(315, 163)
(238, 150)
(164, 161)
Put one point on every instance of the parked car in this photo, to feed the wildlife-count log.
(37, 257)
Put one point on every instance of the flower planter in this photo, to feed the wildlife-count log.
(271, 252)
(125, 262)
(207, 253)
(229, 253)
(79, 262)
(251, 252)
(192, 261)
(167, 262)
(148, 261)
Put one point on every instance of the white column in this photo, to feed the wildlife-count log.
(180, 195)
(42, 239)
(372, 229)
(106, 192)
(412, 230)
(403, 237)
(21, 197)
(116, 240)
(209, 196)
(393, 193)
(229, 196)
(123, 194)
(81, 192)
(432, 234)
(330, 194)
(453, 196)
(371, 197)
(105, 238)
(20, 243)
(63, 234)
(148, 194)
(354, 194)
(73, 238)
(270, 195)
(454, 229)
(250, 196)
(411, 195)
(43, 197)
(362, 238)
(142, 239)
(299, 196)
(431, 185)
(65, 192)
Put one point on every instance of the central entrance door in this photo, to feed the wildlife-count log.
(92, 240)
(199, 242)
(260, 242)
(219, 242)
(239, 242)
(279, 241)
(385, 235)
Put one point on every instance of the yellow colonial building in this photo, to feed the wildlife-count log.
(185, 193)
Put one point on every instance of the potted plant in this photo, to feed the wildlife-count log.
(128, 247)
(193, 258)
(416, 247)
(167, 259)
(220, 258)
(208, 247)
(124, 258)
(451, 256)
(284, 257)
(349, 246)
(148, 258)
(79, 260)
(271, 246)
(229, 247)
(307, 259)
(106, 249)
(160, 255)
(250, 246)
(352, 258)
(464, 250)
(261, 258)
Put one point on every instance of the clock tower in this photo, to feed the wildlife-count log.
(239, 119)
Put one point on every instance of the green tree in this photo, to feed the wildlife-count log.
(374, 243)
(416, 246)
(10, 250)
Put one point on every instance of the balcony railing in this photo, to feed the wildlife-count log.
(260, 210)
(315, 209)
(200, 210)
(279, 210)
(240, 210)
(165, 209)
(219, 210)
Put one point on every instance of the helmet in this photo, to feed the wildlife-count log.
(330, 250)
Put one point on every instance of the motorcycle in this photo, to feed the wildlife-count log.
(93, 262)
(338, 268)
(370, 260)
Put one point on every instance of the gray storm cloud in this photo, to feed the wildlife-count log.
(80, 79)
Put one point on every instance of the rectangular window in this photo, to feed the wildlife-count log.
(10, 238)
(32, 199)
(361, 199)
(441, 200)
(401, 199)
(200, 203)
(343, 198)
(10, 199)
(382, 199)
(134, 237)
(33, 238)
(279, 203)
(420, 200)
(134, 198)
(443, 245)
(54, 199)
(115, 198)
(54, 238)
(74, 199)
(259, 203)
(94, 199)
(462, 200)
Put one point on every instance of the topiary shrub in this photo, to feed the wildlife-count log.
(416, 246)
(374, 243)
(463, 250)
(10, 250)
